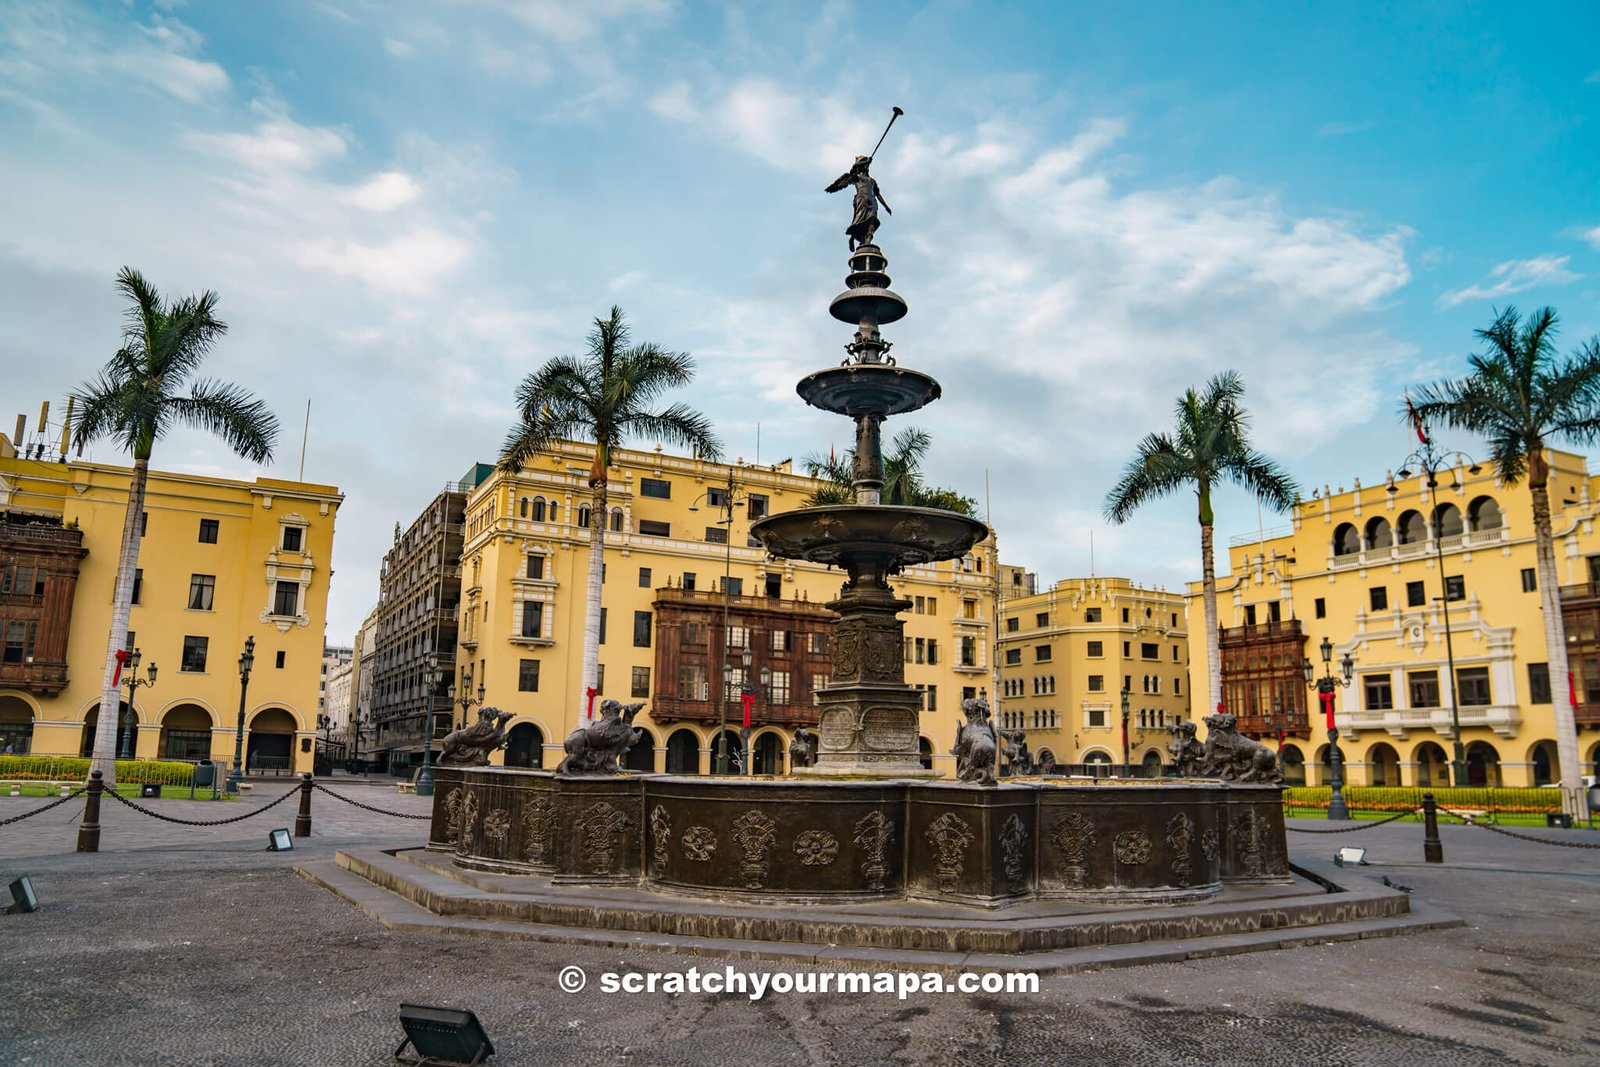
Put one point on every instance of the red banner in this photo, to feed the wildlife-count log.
(123, 656)
(748, 699)
(591, 693)
(1327, 707)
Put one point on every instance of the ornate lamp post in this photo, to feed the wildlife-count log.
(356, 724)
(1326, 686)
(465, 699)
(1126, 692)
(728, 504)
(1431, 463)
(430, 676)
(247, 660)
(133, 683)
(748, 691)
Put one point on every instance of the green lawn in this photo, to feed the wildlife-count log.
(127, 789)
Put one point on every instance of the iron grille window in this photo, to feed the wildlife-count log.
(655, 487)
(1096, 648)
(716, 535)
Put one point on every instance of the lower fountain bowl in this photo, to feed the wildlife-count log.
(840, 532)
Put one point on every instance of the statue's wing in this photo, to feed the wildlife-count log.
(839, 183)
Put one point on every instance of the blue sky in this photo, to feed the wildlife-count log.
(406, 206)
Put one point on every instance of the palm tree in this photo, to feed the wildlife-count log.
(1517, 397)
(603, 397)
(1209, 446)
(135, 401)
(902, 478)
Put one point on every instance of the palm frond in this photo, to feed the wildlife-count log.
(243, 421)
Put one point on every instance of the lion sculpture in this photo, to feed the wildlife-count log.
(1188, 755)
(596, 748)
(1231, 756)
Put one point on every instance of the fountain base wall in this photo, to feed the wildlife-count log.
(815, 841)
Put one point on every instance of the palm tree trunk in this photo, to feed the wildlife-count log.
(591, 622)
(1573, 799)
(1208, 593)
(105, 731)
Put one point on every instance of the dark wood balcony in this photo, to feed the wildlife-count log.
(677, 709)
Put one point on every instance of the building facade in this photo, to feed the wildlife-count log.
(1071, 654)
(678, 552)
(1411, 580)
(220, 561)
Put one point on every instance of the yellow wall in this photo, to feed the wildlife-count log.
(246, 560)
(1052, 700)
(1497, 625)
(498, 540)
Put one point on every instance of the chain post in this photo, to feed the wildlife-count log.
(1432, 847)
(89, 829)
(302, 821)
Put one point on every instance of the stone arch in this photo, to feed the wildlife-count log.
(186, 732)
(642, 755)
(1594, 760)
(1545, 763)
(1150, 763)
(735, 751)
(1447, 521)
(1483, 764)
(616, 520)
(1433, 765)
(1346, 541)
(1293, 762)
(127, 727)
(583, 516)
(1098, 757)
(766, 752)
(269, 744)
(1044, 760)
(925, 753)
(17, 716)
(1383, 764)
(1484, 514)
(683, 752)
(525, 746)
(1410, 529)
(1379, 533)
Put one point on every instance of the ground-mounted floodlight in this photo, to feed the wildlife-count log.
(23, 898)
(280, 841)
(1350, 857)
(442, 1037)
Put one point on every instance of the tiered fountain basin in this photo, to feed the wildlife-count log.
(842, 841)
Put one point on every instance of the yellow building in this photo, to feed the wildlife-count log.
(1071, 653)
(1361, 568)
(670, 554)
(221, 561)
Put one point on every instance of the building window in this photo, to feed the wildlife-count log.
(716, 535)
(653, 528)
(293, 538)
(732, 586)
(758, 507)
(655, 487)
(616, 521)
(1321, 607)
(1423, 688)
(287, 600)
(969, 651)
(1091, 615)
(208, 531)
(528, 676)
(1455, 587)
(692, 681)
(1149, 650)
(1380, 597)
(717, 498)
(201, 589)
(644, 577)
(1530, 580)
(933, 605)
(1125, 615)
(144, 523)
(933, 651)
(778, 688)
(1097, 717)
(1097, 683)
(138, 586)
(639, 684)
(1415, 597)
(1249, 614)
(1472, 686)
(916, 605)
(1177, 687)
(969, 609)
(1043, 619)
(1011, 624)
(688, 579)
(1041, 654)
(194, 654)
(738, 637)
(602, 626)
(20, 637)
(779, 641)
(1096, 649)
(1013, 657)
(1379, 692)
(600, 679)
(1538, 683)
(535, 567)
(819, 643)
(641, 629)
(532, 619)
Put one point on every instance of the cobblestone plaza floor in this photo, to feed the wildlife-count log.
(178, 945)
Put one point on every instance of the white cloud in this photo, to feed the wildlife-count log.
(1515, 276)
(1592, 236)
(569, 23)
(277, 143)
(674, 101)
(398, 48)
(385, 192)
(409, 263)
(51, 44)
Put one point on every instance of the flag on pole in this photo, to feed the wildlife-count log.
(1416, 421)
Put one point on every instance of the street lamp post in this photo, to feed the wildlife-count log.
(357, 723)
(465, 699)
(431, 676)
(247, 660)
(133, 683)
(1431, 462)
(1126, 692)
(728, 504)
(1326, 686)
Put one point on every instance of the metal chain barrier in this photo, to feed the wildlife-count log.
(1472, 821)
(82, 789)
(200, 822)
(365, 807)
(1358, 826)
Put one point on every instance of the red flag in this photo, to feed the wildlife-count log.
(1416, 420)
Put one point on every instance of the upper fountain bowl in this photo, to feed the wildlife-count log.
(868, 389)
(838, 533)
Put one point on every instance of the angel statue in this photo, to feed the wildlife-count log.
(865, 221)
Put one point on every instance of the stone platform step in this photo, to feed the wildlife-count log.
(416, 891)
